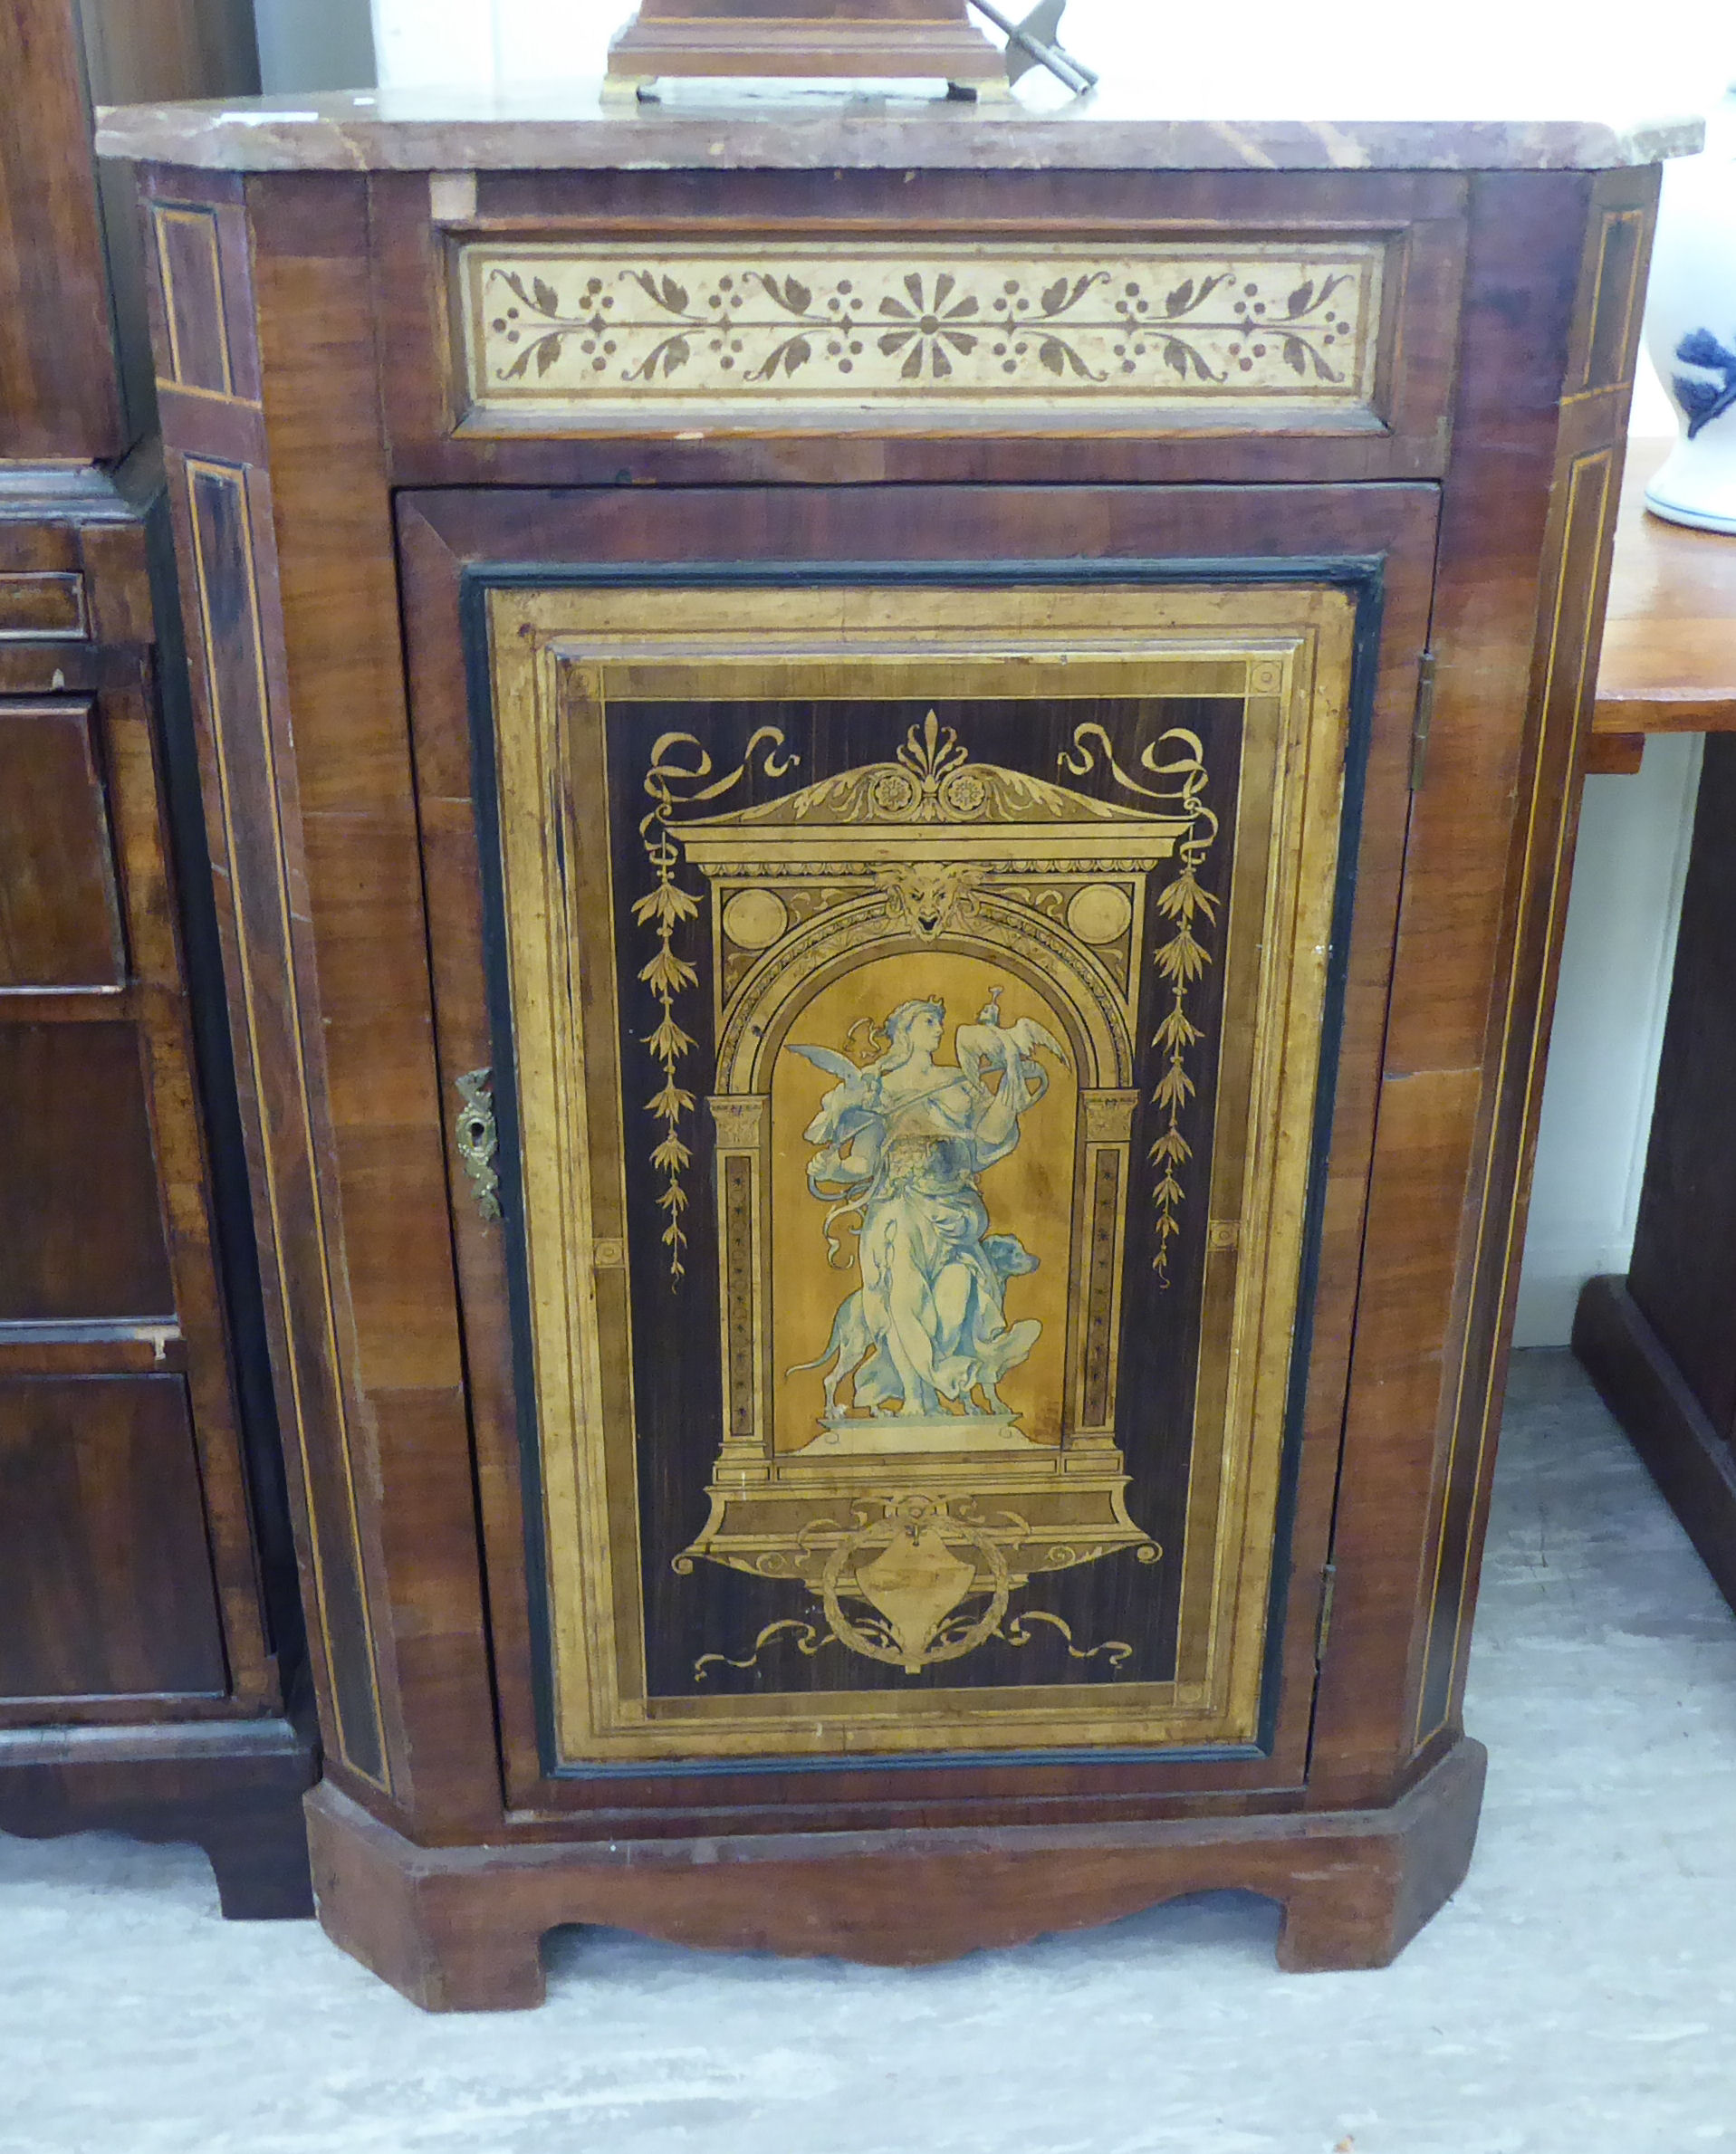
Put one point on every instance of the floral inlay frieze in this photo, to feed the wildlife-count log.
(786, 323)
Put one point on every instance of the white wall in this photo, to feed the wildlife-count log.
(435, 42)
(1270, 58)
(1615, 961)
(313, 45)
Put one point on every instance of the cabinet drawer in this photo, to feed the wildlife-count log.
(41, 605)
(107, 1588)
(60, 911)
(81, 1214)
(1043, 327)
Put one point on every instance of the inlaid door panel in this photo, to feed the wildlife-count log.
(891, 1056)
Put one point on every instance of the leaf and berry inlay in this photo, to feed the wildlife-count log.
(872, 326)
(677, 780)
(1177, 761)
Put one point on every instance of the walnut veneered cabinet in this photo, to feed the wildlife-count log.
(895, 795)
(149, 1630)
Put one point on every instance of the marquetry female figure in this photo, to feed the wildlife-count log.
(903, 1141)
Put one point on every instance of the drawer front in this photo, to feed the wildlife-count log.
(549, 328)
(43, 604)
(105, 1590)
(775, 332)
(59, 908)
(82, 1233)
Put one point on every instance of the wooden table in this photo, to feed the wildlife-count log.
(1660, 1343)
(1669, 661)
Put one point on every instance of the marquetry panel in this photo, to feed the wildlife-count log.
(766, 332)
(1060, 861)
(191, 264)
(1606, 337)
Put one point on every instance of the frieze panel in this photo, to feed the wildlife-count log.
(767, 328)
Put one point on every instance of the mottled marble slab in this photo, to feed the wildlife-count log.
(786, 128)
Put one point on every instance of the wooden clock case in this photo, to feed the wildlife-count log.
(501, 605)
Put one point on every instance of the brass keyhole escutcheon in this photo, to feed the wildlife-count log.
(478, 1140)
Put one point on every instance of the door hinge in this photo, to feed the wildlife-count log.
(1423, 718)
(1323, 1626)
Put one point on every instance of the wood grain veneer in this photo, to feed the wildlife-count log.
(333, 676)
(150, 1630)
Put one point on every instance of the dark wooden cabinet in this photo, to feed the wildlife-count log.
(147, 1618)
(1661, 1344)
(891, 799)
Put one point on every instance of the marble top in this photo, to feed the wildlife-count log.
(792, 126)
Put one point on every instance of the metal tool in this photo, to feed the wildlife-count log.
(1031, 43)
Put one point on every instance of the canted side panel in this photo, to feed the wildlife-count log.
(199, 264)
(190, 265)
(249, 841)
(1528, 512)
(1588, 487)
(1603, 349)
(1441, 1059)
(201, 290)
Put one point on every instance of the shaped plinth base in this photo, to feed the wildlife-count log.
(232, 1787)
(459, 1928)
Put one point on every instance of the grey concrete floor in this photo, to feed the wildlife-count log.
(1576, 1997)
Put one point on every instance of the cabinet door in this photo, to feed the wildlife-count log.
(907, 965)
